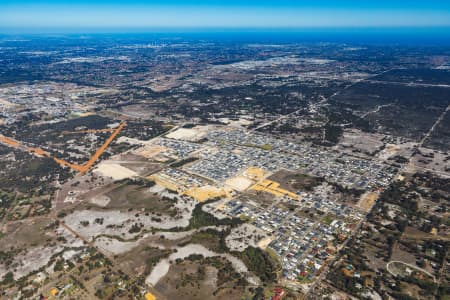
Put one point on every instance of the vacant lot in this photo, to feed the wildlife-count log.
(354, 140)
(257, 198)
(115, 171)
(367, 200)
(135, 196)
(295, 181)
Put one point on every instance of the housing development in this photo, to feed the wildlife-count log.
(176, 167)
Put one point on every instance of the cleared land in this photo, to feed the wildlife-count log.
(367, 200)
(239, 183)
(188, 134)
(273, 188)
(135, 196)
(295, 181)
(115, 171)
(207, 192)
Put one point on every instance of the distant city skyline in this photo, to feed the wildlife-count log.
(32, 15)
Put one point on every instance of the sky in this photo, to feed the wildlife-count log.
(132, 14)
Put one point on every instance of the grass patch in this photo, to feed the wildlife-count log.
(303, 280)
(266, 147)
(244, 218)
(327, 219)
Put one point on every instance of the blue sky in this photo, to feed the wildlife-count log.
(222, 14)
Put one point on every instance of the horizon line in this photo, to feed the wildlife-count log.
(189, 29)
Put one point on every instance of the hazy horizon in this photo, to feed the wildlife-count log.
(406, 35)
(30, 16)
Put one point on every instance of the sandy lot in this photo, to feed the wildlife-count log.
(392, 150)
(239, 183)
(115, 171)
(150, 151)
(187, 134)
(264, 243)
(367, 143)
(6, 103)
(100, 200)
(255, 173)
(131, 141)
(114, 246)
(367, 200)
(240, 122)
(206, 192)
(274, 188)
